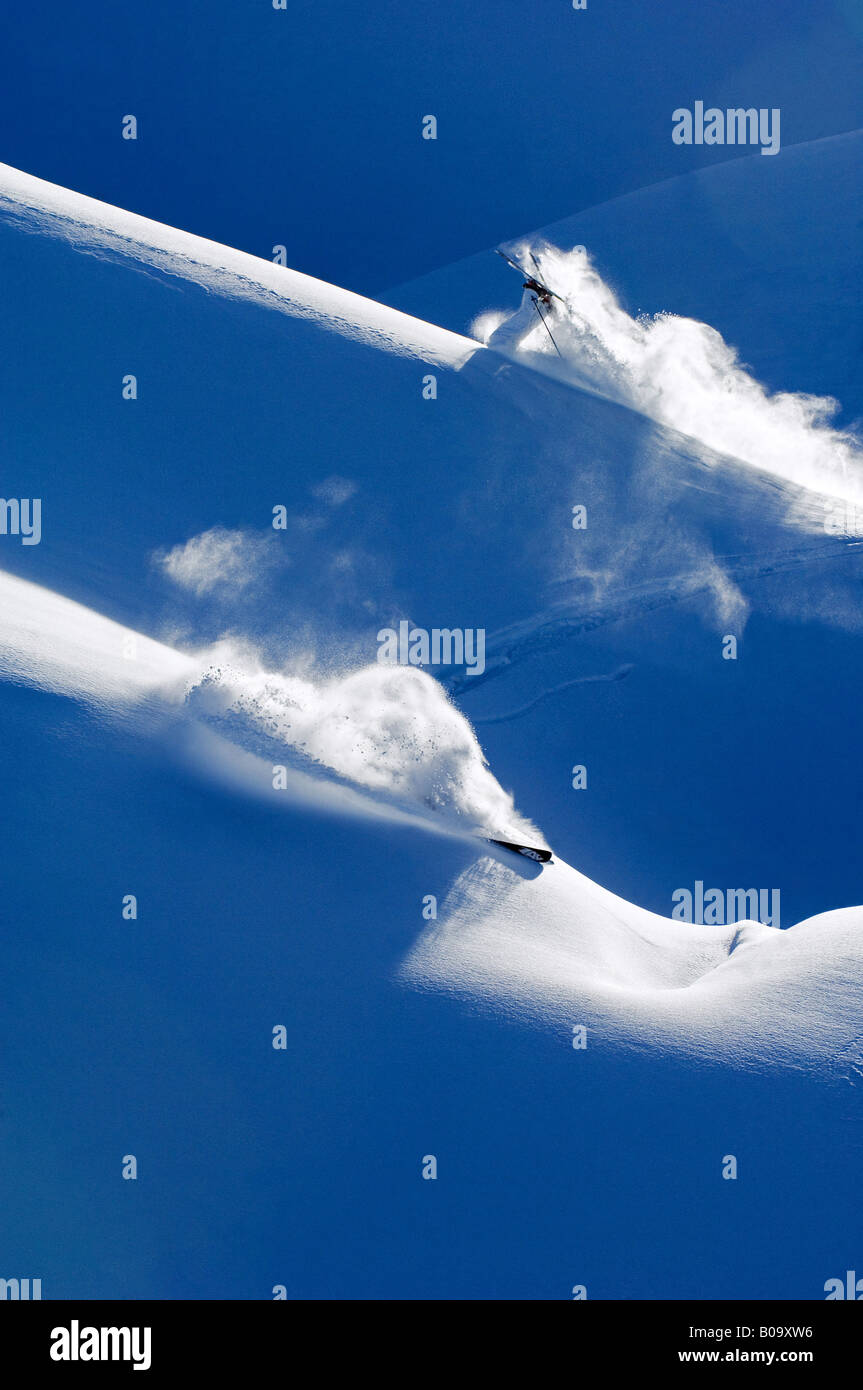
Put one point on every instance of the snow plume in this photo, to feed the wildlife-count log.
(682, 373)
(335, 491)
(215, 559)
(390, 730)
(487, 323)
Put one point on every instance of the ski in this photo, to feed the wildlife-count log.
(515, 265)
(542, 856)
(521, 270)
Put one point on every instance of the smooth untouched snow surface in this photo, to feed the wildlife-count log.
(102, 229)
(562, 948)
(56, 644)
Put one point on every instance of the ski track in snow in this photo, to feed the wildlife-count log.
(618, 675)
(533, 637)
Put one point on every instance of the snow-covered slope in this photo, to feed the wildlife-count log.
(547, 940)
(102, 230)
(389, 733)
(165, 646)
(569, 952)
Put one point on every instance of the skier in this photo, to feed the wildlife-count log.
(543, 295)
(508, 336)
(536, 298)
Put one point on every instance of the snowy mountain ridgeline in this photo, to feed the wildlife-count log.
(326, 596)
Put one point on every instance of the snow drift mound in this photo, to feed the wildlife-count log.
(680, 373)
(565, 951)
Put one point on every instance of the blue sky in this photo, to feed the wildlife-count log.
(302, 127)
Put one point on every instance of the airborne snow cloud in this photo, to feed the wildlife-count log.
(682, 373)
(215, 559)
(334, 491)
(391, 730)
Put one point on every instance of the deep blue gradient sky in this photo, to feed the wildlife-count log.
(302, 127)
